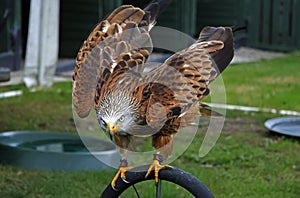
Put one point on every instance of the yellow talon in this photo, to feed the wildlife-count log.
(121, 172)
(156, 167)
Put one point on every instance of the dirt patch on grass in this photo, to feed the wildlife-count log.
(242, 125)
(245, 88)
(277, 80)
(237, 124)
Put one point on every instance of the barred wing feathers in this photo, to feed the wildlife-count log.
(183, 79)
(123, 33)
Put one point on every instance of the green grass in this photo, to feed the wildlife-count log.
(267, 83)
(240, 165)
(248, 162)
(15, 182)
(47, 109)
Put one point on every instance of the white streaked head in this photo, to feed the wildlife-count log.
(117, 113)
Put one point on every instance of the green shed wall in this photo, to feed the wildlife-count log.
(219, 13)
(77, 20)
(271, 24)
(180, 15)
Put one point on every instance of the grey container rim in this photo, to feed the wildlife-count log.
(8, 133)
(273, 122)
(22, 157)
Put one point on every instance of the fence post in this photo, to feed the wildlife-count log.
(42, 44)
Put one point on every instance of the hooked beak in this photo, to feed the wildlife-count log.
(112, 129)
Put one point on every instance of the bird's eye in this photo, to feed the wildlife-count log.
(122, 118)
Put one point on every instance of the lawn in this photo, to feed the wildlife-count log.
(271, 84)
(247, 160)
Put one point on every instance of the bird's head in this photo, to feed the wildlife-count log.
(116, 114)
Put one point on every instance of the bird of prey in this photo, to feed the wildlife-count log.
(108, 75)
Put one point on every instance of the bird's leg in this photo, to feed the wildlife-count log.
(156, 166)
(121, 172)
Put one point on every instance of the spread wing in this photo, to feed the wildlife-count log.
(183, 79)
(118, 43)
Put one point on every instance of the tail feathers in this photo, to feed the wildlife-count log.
(222, 57)
(154, 9)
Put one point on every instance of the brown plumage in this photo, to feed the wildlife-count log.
(109, 75)
(183, 81)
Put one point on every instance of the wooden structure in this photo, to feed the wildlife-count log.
(271, 24)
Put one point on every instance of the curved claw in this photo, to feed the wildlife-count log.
(121, 173)
(124, 180)
(113, 187)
